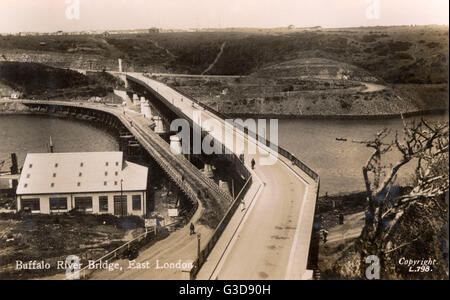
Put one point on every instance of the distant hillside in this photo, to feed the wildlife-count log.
(34, 78)
(394, 54)
(44, 82)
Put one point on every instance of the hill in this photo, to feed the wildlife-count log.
(39, 81)
(395, 54)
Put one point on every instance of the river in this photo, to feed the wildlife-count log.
(339, 164)
(24, 134)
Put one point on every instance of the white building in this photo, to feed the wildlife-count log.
(93, 182)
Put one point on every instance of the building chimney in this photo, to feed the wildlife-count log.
(51, 145)
(14, 167)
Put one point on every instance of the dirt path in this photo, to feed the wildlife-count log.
(351, 228)
(215, 60)
(372, 87)
(173, 56)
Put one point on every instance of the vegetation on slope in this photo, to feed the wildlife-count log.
(395, 54)
(43, 82)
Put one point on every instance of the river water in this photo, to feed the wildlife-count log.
(24, 134)
(339, 164)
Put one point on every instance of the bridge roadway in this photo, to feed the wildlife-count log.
(269, 237)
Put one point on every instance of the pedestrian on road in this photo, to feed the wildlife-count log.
(192, 228)
(321, 222)
(341, 219)
(253, 163)
(324, 235)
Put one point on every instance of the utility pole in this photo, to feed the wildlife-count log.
(51, 145)
(232, 187)
(198, 245)
(121, 195)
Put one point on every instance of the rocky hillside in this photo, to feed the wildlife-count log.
(298, 88)
(401, 54)
(290, 73)
(40, 81)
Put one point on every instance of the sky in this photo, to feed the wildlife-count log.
(77, 15)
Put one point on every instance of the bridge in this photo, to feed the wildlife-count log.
(270, 237)
(266, 232)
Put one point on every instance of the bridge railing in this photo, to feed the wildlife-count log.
(295, 161)
(198, 263)
(112, 255)
(211, 184)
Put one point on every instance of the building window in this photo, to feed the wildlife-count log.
(115, 182)
(81, 164)
(117, 163)
(28, 176)
(58, 203)
(78, 183)
(52, 184)
(31, 204)
(103, 203)
(136, 202)
(117, 173)
(106, 173)
(54, 175)
(83, 203)
(105, 183)
(80, 174)
(31, 165)
(56, 165)
(107, 164)
(25, 185)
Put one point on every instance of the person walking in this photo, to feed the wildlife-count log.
(324, 235)
(241, 157)
(192, 229)
(341, 219)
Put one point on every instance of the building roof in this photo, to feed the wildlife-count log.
(57, 173)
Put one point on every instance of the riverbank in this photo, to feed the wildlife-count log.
(9, 107)
(432, 112)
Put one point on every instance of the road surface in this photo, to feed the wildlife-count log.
(273, 240)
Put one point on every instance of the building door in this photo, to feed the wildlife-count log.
(120, 205)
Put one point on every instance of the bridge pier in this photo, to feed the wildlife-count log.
(207, 170)
(224, 186)
(135, 99)
(146, 110)
(123, 77)
(175, 145)
(159, 126)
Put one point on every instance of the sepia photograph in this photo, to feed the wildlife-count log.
(201, 142)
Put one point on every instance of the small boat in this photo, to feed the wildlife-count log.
(341, 139)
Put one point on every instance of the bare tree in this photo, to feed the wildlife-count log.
(423, 143)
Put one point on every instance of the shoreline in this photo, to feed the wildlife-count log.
(440, 111)
(341, 117)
